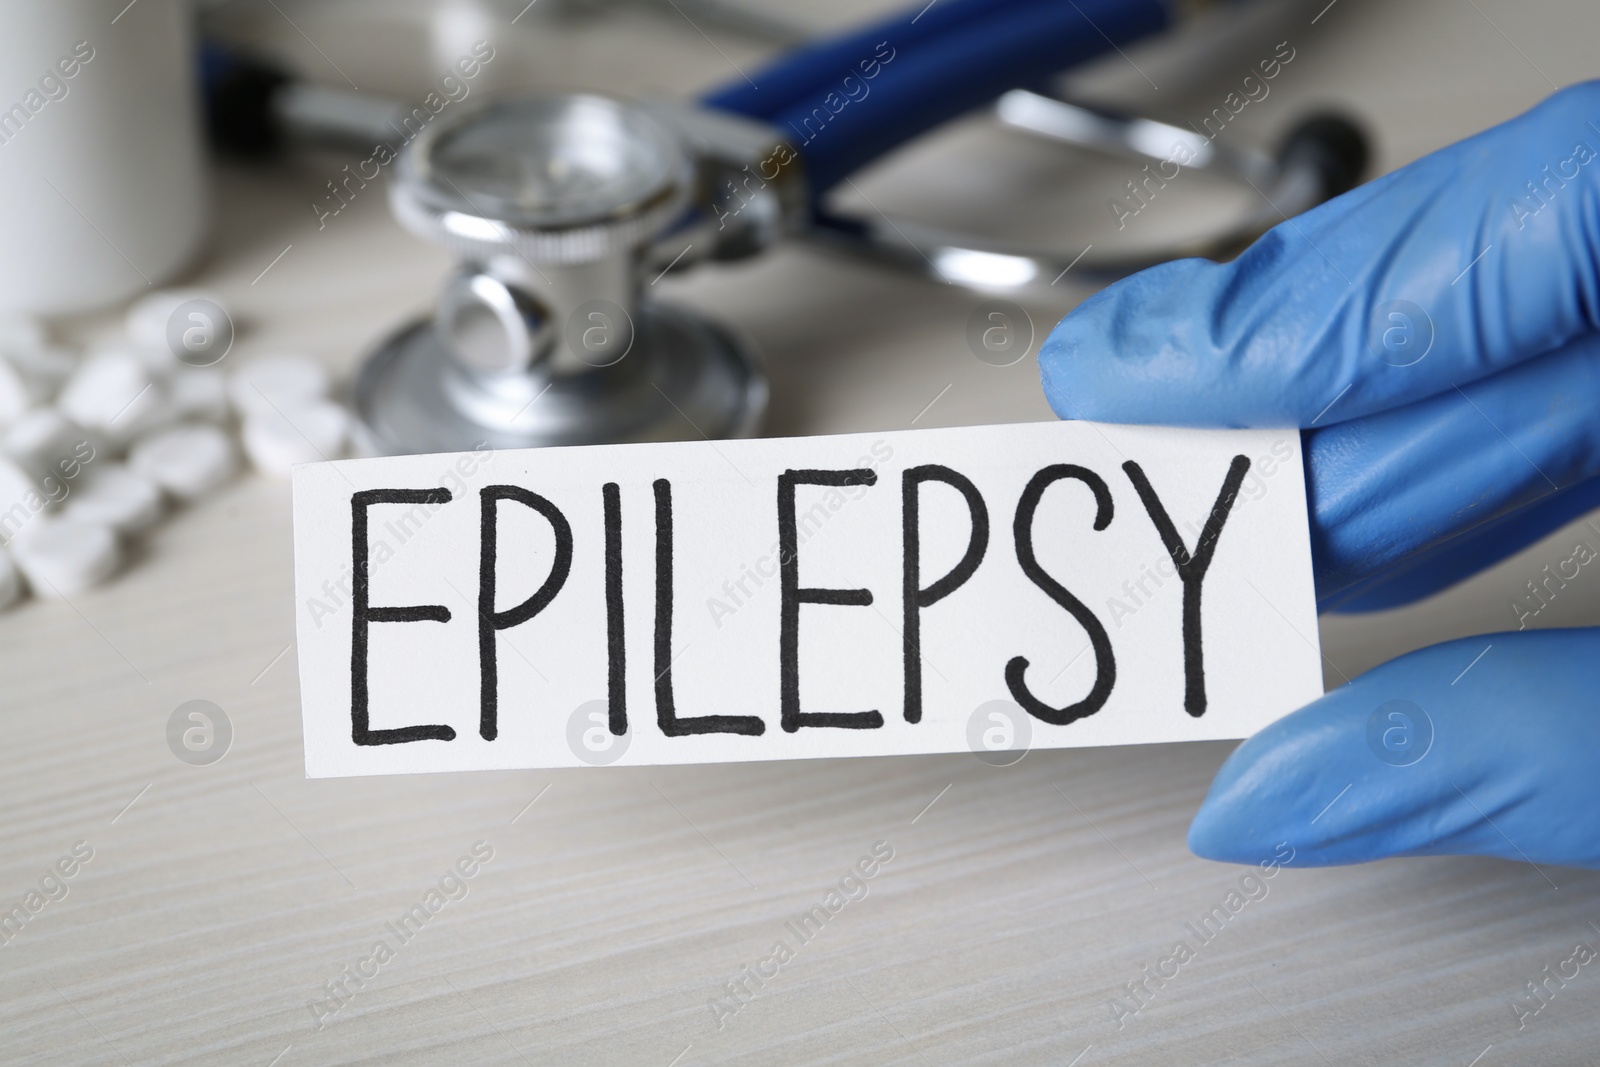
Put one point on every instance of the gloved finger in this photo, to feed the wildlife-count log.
(1452, 750)
(1482, 548)
(1394, 485)
(1470, 260)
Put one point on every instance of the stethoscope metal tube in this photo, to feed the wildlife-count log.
(1320, 159)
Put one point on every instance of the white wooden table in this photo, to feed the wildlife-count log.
(1019, 901)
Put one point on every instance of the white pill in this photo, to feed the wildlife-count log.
(187, 460)
(113, 392)
(199, 393)
(10, 581)
(49, 447)
(302, 433)
(272, 383)
(103, 386)
(61, 557)
(148, 318)
(112, 495)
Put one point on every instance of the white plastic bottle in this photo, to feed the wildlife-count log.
(102, 181)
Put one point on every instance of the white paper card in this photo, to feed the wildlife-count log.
(990, 589)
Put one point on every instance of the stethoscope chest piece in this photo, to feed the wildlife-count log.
(543, 335)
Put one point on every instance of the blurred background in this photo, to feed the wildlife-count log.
(227, 895)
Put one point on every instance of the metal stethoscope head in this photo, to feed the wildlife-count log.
(553, 205)
(562, 209)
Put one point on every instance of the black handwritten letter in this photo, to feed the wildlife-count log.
(1191, 567)
(489, 620)
(616, 648)
(666, 709)
(793, 596)
(362, 614)
(1022, 531)
(916, 597)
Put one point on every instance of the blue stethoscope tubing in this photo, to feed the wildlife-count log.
(948, 58)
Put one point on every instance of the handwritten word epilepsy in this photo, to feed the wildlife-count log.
(1190, 563)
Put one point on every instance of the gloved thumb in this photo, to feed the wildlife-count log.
(1483, 746)
(1473, 259)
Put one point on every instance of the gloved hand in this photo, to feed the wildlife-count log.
(1436, 332)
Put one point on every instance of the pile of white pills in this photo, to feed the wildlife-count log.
(96, 447)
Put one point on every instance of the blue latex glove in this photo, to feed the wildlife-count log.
(1437, 333)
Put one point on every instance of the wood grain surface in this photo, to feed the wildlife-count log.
(618, 905)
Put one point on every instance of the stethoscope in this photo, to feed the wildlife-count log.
(563, 209)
